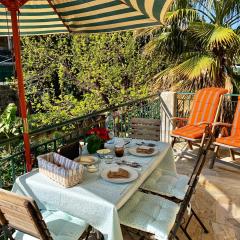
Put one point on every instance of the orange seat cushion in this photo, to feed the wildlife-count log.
(205, 105)
(189, 131)
(236, 122)
(234, 139)
(230, 141)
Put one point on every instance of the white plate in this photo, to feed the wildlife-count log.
(133, 151)
(132, 172)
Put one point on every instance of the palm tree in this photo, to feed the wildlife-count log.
(201, 42)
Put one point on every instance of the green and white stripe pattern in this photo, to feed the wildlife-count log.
(84, 16)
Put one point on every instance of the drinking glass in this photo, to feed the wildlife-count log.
(119, 150)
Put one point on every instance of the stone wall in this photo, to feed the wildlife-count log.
(7, 95)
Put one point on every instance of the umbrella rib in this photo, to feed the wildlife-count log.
(22, 2)
(55, 10)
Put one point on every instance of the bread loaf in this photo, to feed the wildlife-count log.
(121, 173)
(145, 149)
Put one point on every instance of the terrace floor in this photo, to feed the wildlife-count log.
(216, 201)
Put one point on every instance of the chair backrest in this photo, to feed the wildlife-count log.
(70, 151)
(145, 128)
(236, 122)
(22, 213)
(205, 106)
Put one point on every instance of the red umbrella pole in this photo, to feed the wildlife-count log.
(21, 91)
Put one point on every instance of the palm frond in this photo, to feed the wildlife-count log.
(193, 68)
(151, 31)
(186, 13)
(152, 46)
(213, 36)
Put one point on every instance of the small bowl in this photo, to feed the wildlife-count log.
(103, 151)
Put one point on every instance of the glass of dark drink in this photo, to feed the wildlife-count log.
(119, 150)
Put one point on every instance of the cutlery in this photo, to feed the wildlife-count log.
(146, 144)
(130, 164)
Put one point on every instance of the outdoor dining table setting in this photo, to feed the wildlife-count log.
(103, 189)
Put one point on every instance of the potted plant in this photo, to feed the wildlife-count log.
(96, 137)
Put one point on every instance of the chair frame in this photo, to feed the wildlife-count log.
(217, 145)
(191, 190)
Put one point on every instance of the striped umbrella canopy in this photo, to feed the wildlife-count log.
(40, 17)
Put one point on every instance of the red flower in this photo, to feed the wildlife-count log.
(101, 132)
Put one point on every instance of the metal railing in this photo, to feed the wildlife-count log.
(50, 138)
(45, 140)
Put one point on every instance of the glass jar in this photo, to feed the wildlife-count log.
(93, 168)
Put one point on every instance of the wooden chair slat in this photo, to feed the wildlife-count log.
(143, 128)
(14, 198)
(146, 127)
(145, 121)
(16, 208)
(11, 212)
(144, 136)
(143, 131)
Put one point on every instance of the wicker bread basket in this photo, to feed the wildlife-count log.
(60, 169)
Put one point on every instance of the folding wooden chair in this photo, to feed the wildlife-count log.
(22, 213)
(205, 111)
(145, 128)
(158, 216)
(231, 142)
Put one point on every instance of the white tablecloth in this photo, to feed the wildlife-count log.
(94, 200)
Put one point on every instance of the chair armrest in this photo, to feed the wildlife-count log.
(216, 124)
(180, 122)
(179, 119)
(204, 123)
(223, 128)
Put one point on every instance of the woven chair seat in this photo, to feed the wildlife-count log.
(167, 183)
(61, 226)
(150, 214)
